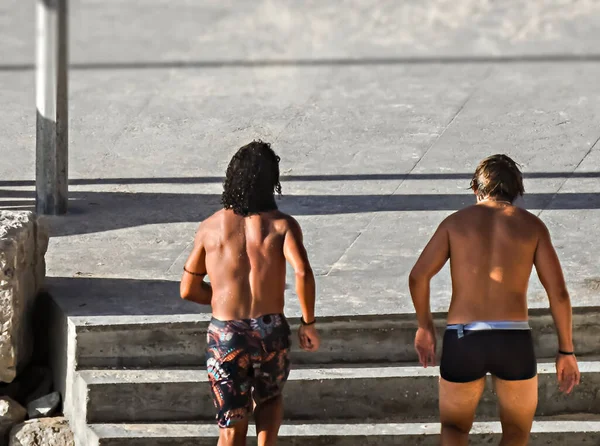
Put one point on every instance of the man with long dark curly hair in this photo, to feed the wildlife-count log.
(243, 248)
(492, 247)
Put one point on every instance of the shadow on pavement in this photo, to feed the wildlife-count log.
(91, 296)
(334, 177)
(323, 62)
(91, 212)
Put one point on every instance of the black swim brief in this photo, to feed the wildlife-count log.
(468, 355)
(246, 360)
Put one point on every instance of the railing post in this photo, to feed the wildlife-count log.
(52, 136)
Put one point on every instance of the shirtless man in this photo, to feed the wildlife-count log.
(492, 247)
(243, 248)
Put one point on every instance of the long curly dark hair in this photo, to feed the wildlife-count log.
(251, 180)
(498, 176)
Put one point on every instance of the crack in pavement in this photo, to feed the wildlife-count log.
(568, 178)
(335, 264)
(484, 78)
(302, 111)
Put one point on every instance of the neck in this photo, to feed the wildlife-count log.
(494, 200)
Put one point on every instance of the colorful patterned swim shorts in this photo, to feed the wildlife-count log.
(246, 360)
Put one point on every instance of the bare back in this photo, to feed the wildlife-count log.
(492, 252)
(492, 247)
(245, 263)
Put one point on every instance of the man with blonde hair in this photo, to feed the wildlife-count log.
(492, 247)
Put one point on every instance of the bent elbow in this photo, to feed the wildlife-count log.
(304, 273)
(418, 279)
(413, 278)
(185, 292)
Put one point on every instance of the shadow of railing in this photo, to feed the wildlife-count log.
(100, 296)
(91, 212)
(334, 177)
(321, 62)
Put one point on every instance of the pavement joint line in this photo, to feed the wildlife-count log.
(151, 95)
(119, 135)
(183, 251)
(312, 97)
(569, 177)
(476, 87)
(333, 266)
(293, 118)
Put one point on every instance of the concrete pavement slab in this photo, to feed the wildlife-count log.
(379, 111)
(116, 32)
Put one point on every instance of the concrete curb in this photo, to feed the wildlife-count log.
(381, 393)
(349, 339)
(546, 433)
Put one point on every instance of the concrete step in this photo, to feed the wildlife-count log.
(546, 433)
(167, 341)
(375, 392)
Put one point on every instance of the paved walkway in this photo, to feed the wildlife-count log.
(380, 112)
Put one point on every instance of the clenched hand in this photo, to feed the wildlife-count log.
(425, 346)
(567, 372)
(309, 338)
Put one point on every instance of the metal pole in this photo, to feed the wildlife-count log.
(52, 139)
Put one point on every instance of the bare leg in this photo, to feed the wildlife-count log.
(235, 435)
(517, 401)
(268, 416)
(458, 402)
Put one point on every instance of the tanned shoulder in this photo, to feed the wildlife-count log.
(456, 217)
(534, 221)
(289, 223)
(207, 224)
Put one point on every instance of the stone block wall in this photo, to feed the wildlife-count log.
(23, 244)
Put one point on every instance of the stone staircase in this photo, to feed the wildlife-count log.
(144, 384)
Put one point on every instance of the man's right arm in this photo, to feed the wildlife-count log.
(551, 276)
(295, 253)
